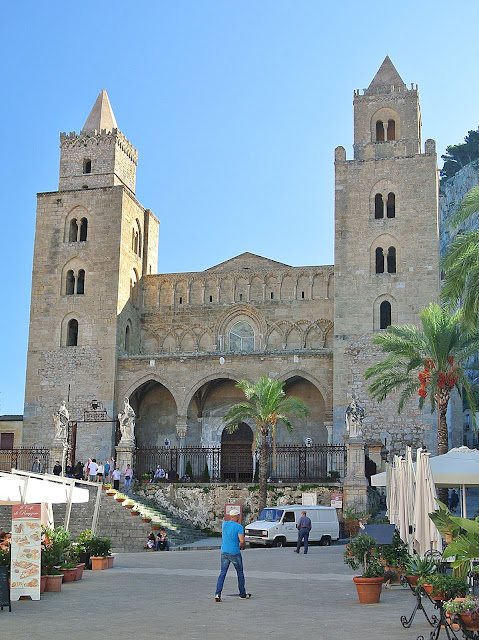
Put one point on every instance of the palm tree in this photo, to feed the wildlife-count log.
(427, 363)
(266, 404)
(461, 262)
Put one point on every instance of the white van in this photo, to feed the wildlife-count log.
(276, 526)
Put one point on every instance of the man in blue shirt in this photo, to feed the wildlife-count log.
(304, 527)
(233, 542)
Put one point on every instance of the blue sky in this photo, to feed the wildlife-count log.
(235, 108)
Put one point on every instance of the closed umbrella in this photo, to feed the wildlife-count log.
(426, 535)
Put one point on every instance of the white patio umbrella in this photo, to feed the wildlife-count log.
(391, 494)
(426, 535)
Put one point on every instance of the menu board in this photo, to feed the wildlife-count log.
(26, 551)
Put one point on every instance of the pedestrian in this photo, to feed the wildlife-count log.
(115, 476)
(162, 542)
(36, 466)
(303, 527)
(79, 470)
(453, 501)
(92, 471)
(57, 469)
(232, 543)
(87, 469)
(112, 468)
(106, 469)
(99, 473)
(128, 477)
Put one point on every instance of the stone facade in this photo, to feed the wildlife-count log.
(104, 325)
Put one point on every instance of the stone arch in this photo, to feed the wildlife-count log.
(306, 387)
(75, 264)
(377, 310)
(155, 406)
(330, 290)
(236, 454)
(206, 341)
(304, 286)
(229, 375)
(275, 338)
(226, 290)
(170, 342)
(295, 337)
(241, 289)
(71, 232)
(288, 284)
(149, 343)
(319, 286)
(272, 287)
(166, 293)
(383, 194)
(188, 341)
(196, 291)
(181, 292)
(211, 291)
(65, 336)
(256, 292)
(383, 243)
(314, 337)
(246, 313)
(388, 131)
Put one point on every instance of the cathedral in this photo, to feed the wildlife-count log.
(105, 326)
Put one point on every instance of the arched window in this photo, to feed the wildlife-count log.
(391, 206)
(127, 338)
(384, 314)
(72, 333)
(87, 165)
(241, 337)
(73, 235)
(391, 130)
(70, 283)
(379, 260)
(391, 260)
(81, 282)
(378, 206)
(379, 131)
(83, 229)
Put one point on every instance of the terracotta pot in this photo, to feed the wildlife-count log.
(128, 506)
(43, 583)
(470, 620)
(412, 580)
(156, 527)
(146, 519)
(80, 568)
(369, 589)
(98, 563)
(110, 561)
(134, 513)
(69, 575)
(54, 583)
(120, 499)
(437, 596)
(110, 493)
(145, 481)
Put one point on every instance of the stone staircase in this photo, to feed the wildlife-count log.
(126, 532)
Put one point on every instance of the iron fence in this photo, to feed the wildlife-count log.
(22, 458)
(293, 463)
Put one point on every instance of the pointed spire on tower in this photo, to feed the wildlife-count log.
(101, 116)
(386, 76)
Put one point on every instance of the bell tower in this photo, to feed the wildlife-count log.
(386, 246)
(93, 242)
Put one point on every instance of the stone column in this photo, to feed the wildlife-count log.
(355, 483)
(181, 430)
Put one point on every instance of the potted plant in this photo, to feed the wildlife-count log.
(145, 478)
(120, 497)
(467, 609)
(54, 544)
(69, 570)
(145, 518)
(395, 557)
(82, 549)
(443, 587)
(351, 520)
(418, 567)
(135, 510)
(100, 550)
(362, 551)
(128, 504)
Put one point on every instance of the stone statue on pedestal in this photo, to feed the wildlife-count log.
(61, 419)
(353, 418)
(127, 423)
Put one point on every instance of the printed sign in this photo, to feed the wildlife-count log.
(337, 500)
(26, 551)
(230, 506)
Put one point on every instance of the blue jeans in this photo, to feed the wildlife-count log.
(303, 534)
(127, 486)
(237, 561)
